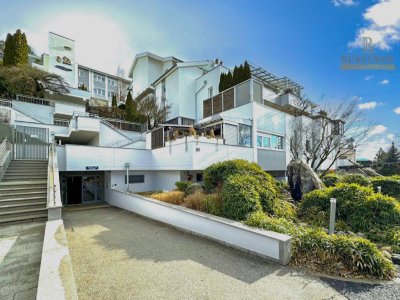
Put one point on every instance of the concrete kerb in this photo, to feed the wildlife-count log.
(56, 279)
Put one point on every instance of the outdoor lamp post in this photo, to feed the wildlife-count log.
(332, 216)
(127, 165)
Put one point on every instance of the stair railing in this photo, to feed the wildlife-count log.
(54, 203)
(5, 156)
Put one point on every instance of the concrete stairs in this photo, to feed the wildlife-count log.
(23, 191)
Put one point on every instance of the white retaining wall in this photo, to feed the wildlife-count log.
(271, 245)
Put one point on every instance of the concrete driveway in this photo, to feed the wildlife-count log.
(120, 255)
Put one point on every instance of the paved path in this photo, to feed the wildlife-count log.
(20, 254)
(119, 255)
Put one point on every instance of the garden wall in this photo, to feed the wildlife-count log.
(267, 244)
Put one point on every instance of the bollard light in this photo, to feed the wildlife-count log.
(379, 188)
(332, 216)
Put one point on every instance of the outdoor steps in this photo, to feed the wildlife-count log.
(23, 191)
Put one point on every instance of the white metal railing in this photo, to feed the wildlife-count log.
(34, 100)
(5, 156)
(60, 122)
(5, 102)
(53, 180)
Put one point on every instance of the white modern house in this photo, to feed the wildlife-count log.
(250, 120)
(85, 82)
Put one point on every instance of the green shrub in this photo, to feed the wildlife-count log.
(330, 179)
(315, 246)
(389, 236)
(182, 185)
(389, 185)
(284, 209)
(193, 188)
(355, 178)
(240, 197)
(212, 204)
(215, 175)
(359, 207)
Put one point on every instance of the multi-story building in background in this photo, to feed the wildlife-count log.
(85, 82)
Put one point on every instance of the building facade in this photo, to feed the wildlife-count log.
(251, 120)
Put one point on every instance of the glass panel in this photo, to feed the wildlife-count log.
(274, 141)
(244, 135)
(259, 141)
(89, 187)
(243, 93)
(266, 142)
(257, 92)
(272, 121)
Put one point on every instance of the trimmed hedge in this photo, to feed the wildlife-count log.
(313, 245)
(355, 178)
(330, 179)
(358, 207)
(240, 197)
(212, 204)
(389, 185)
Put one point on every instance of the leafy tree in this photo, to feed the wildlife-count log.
(30, 81)
(114, 101)
(16, 49)
(151, 112)
(247, 71)
(222, 82)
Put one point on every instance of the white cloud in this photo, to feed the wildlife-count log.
(369, 77)
(369, 149)
(391, 136)
(378, 129)
(344, 2)
(385, 81)
(368, 105)
(397, 110)
(383, 26)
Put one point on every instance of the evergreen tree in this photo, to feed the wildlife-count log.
(393, 154)
(16, 49)
(222, 82)
(380, 156)
(130, 108)
(235, 76)
(114, 101)
(8, 58)
(247, 71)
(229, 80)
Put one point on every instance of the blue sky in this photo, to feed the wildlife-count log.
(303, 40)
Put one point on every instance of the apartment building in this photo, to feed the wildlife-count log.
(85, 82)
(250, 120)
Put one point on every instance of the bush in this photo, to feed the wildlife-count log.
(313, 246)
(182, 185)
(330, 179)
(174, 197)
(355, 178)
(389, 236)
(359, 207)
(284, 209)
(212, 204)
(193, 188)
(240, 197)
(217, 174)
(194, 201)
(389, 185)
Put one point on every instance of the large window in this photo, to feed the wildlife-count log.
(244, 135)
(99, 78)
(99, 92)
(269, 141)
(135, 179)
